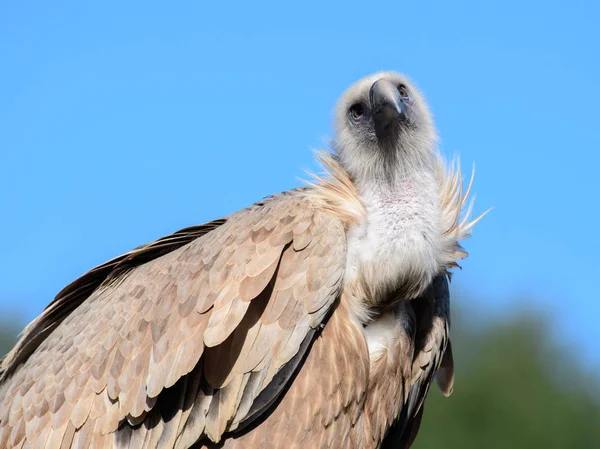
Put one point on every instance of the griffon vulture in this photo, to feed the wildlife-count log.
(315, 318)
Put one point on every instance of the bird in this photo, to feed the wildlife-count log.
(316, 317)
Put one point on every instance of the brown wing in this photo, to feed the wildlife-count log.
(219, 319)
(69, 298)
(324, 403)
(427, 321)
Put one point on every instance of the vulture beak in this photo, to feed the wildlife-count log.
(387, 106)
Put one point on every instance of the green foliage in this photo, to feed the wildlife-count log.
(8, 336)
(514, 388)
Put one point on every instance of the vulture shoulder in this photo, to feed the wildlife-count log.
(189, 337)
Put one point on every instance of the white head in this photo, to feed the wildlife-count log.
(384, 129)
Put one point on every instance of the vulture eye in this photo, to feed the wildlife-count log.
(356, 112)
(403, 92)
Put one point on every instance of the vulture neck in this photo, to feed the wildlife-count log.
(399, 235)
(395, 248)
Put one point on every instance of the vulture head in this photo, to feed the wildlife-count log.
(383, 128)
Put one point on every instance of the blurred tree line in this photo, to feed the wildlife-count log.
(514, 388)
(8, 334)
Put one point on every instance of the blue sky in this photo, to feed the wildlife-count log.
(123, 121)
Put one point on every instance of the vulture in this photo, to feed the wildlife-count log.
(315, 318)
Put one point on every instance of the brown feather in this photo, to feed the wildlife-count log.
(75, 293)
(137, 334)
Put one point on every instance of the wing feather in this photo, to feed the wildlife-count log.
(73, 295)
(210, 316)
(427, 321)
